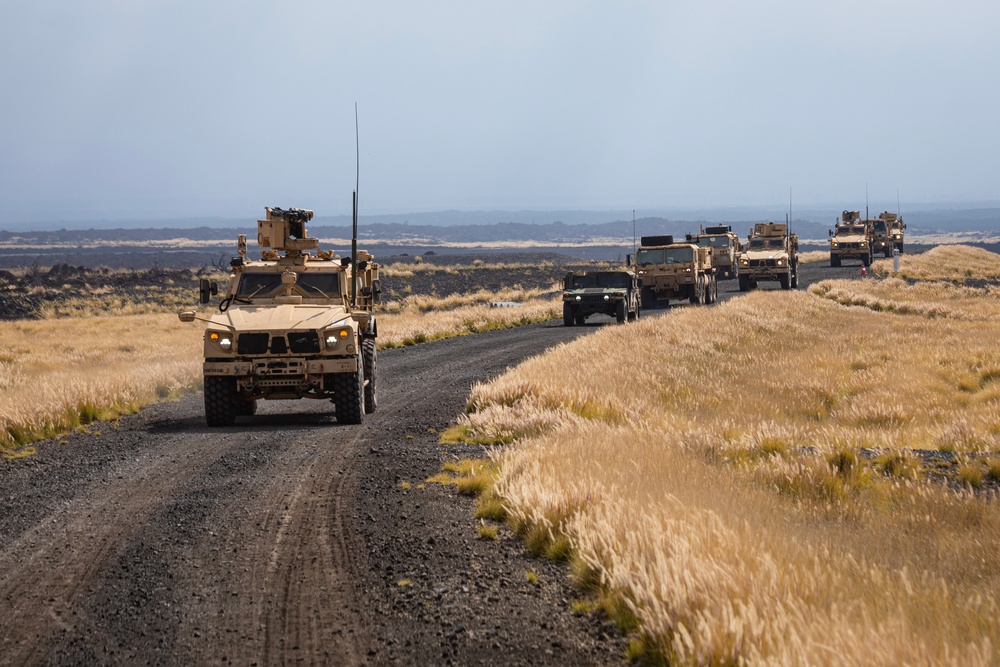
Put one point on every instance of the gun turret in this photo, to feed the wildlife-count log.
(286, 230)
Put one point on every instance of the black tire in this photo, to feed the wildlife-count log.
(567, 315)
(834, 260)
(621, 312)
(899, 247)
(370, 357)
(349, 396)
(580, 320)
(698, 291)
(715, 288)
(867, 260)
(246, 408)
(795, 275)
(220, 400)
(647, 297)
(785, 280)
(744, 283)
(888, 251)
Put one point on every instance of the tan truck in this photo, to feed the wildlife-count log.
(291, 325)
(671, 271)
(725, 245)
(894, 229)
(852, 238)
(771, 253)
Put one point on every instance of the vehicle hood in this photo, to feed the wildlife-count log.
(280, 317)
(765, 254)
(850, 238)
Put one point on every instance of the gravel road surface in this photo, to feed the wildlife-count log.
(287, 538)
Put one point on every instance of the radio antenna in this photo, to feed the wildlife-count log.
(354, 213)
(789, 209)
(897, 203)
(633, 235)
(866, 201)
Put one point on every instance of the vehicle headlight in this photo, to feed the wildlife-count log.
(334, 336)
(578, 297)
(607, 297)
(687, 270)
(781, 262)
(744, 261)
(223, 340)
(864, 243)
(834, 244)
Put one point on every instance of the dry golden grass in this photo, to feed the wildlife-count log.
(56, 375)
(946, 262)
(814, 256)
(708, 470)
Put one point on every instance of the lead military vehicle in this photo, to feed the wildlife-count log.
(613, 293)
(291, 325)
(852, 238)
(771, 254)
(725, 245)
(671, 271)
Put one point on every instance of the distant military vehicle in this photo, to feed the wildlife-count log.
(852, 238)
(771, 254)
(671, 271)
(291, 325)
(612, 293)
(725, 245)
(894, 227)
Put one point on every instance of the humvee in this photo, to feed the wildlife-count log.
(613, 293)
(671, 271)
(725, 245)
(771, 254)
(291, 325)
(852, 238)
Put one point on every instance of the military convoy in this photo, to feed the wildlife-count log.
(725, 245)
(771, 253)
(291, 325)
(612, 293)
(672, 271)
(894, 227)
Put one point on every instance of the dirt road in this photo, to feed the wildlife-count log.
(287, 538)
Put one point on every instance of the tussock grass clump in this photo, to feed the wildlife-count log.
(729, 507)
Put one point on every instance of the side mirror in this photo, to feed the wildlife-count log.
(186, 316)
(628, 260)
(829, 232)
(376, 290)
(206, 290)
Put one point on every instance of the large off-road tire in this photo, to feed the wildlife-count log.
(220, 400)
(785, 280)
(834, 260)
(744, 283)
(567, 315)
(246, 408)
(580, 320)
(370, 356)
(714, 281)
(698, 291)
(621, 312)
(867, 259)
(349, 396)
(899, 247)
(888, 251)
(795, 275)
(647, 297)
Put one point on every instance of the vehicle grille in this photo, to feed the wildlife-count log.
(763, 262)
(252, 343)
(850, 246)
(304, 342)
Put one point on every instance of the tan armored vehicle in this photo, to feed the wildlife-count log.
(291, 325)
(725, 245)
(671, 271)
(611, 293)
(894, 227)
(771, 254)
(853, 238)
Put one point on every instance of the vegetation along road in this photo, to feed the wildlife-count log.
(287, 537)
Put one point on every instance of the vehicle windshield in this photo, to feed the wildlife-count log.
(767, 244)
(854, 230)
(601, 280)
(646, 256)
(880, 226)
(319, 285)
(713, 241)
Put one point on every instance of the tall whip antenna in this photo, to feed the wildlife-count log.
(354, 214)
(866, 200)
(633, 235)
(789, 209)
(897, 203)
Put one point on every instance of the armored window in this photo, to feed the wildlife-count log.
(258, 284)
(646, 256)
(580, 282)
(319, 284)
(613, 280)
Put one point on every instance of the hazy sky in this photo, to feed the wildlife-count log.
(160, 109)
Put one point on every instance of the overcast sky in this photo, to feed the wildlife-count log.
(157, 109)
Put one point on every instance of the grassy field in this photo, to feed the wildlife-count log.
(791, 478)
